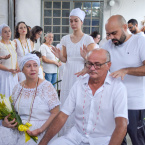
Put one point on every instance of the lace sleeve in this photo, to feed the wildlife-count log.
(15, 92)
(49, 95)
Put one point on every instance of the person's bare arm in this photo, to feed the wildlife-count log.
(91, 46)
(136, 71)
(46, 60)
(54, 128)
(36, 132)
(119, 132)
(85, 50)
(2, 67)
(5, 56)
(61, 55)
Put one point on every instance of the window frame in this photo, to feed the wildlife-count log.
(71, 7)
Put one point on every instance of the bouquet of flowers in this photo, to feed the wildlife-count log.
(6, 108)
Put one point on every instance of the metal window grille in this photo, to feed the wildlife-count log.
(55, 16)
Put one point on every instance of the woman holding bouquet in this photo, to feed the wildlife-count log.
(8, 64)
(36, 102)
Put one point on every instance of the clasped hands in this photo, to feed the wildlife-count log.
(14, 71)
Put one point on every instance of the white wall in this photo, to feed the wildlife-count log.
(3, 11)
(28, 11)
(127, 8)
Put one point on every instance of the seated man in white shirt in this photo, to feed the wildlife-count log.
(100, 105)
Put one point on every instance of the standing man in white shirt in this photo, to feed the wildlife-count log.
(133, 27)
(100, 105)
(128, 62)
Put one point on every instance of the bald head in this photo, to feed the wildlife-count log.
(99, 52)
(116, 29)
(116, 20)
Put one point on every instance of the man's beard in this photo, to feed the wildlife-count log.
(133, 31)
(121, 40)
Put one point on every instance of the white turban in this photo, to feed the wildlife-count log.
(28, 57)
(3, 26)
(79, 13)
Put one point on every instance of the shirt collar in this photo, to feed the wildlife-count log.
(108, 79)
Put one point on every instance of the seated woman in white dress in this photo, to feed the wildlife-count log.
(8, 62)
(36, 102)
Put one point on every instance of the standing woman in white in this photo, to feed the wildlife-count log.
(73, 57)
(23, 44)
(50, 61)
(8, 67)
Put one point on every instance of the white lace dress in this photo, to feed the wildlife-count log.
(21, 51)
(75, 63)
(45, 100)
(7, 79)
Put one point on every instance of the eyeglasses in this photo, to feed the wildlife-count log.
(130, 27)
(96, 64)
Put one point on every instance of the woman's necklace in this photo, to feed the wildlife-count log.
(84, 102)
(32, 102)
(23, 47)
(10, 52)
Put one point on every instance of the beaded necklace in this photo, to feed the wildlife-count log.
(32, 102)
(97, 112)
(26, 45)
(11, 53)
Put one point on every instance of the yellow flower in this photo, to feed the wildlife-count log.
(24, 128)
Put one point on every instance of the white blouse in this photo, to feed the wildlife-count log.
(47, 67)
(46, 98)
(6, 49)
(21, 50)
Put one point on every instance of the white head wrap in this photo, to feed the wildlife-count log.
(28, 57)
(79, 13)
(3, 26)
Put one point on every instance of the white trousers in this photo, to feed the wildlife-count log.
(65, 141)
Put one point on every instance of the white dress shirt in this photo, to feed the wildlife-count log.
(113, 98)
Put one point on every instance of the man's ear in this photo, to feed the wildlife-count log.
(125, 26)
(109, 65)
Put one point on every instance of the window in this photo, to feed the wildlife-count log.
(55, 16)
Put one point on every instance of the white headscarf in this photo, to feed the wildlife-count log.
(3, 26)
(28, 57)
(79, 13)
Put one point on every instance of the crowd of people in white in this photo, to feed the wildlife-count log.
(101, 96)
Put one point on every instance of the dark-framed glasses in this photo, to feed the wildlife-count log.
(96, 65)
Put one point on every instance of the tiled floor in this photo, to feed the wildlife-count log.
(128, 140)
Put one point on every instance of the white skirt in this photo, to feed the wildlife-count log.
(10, 136)
(7, 82)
